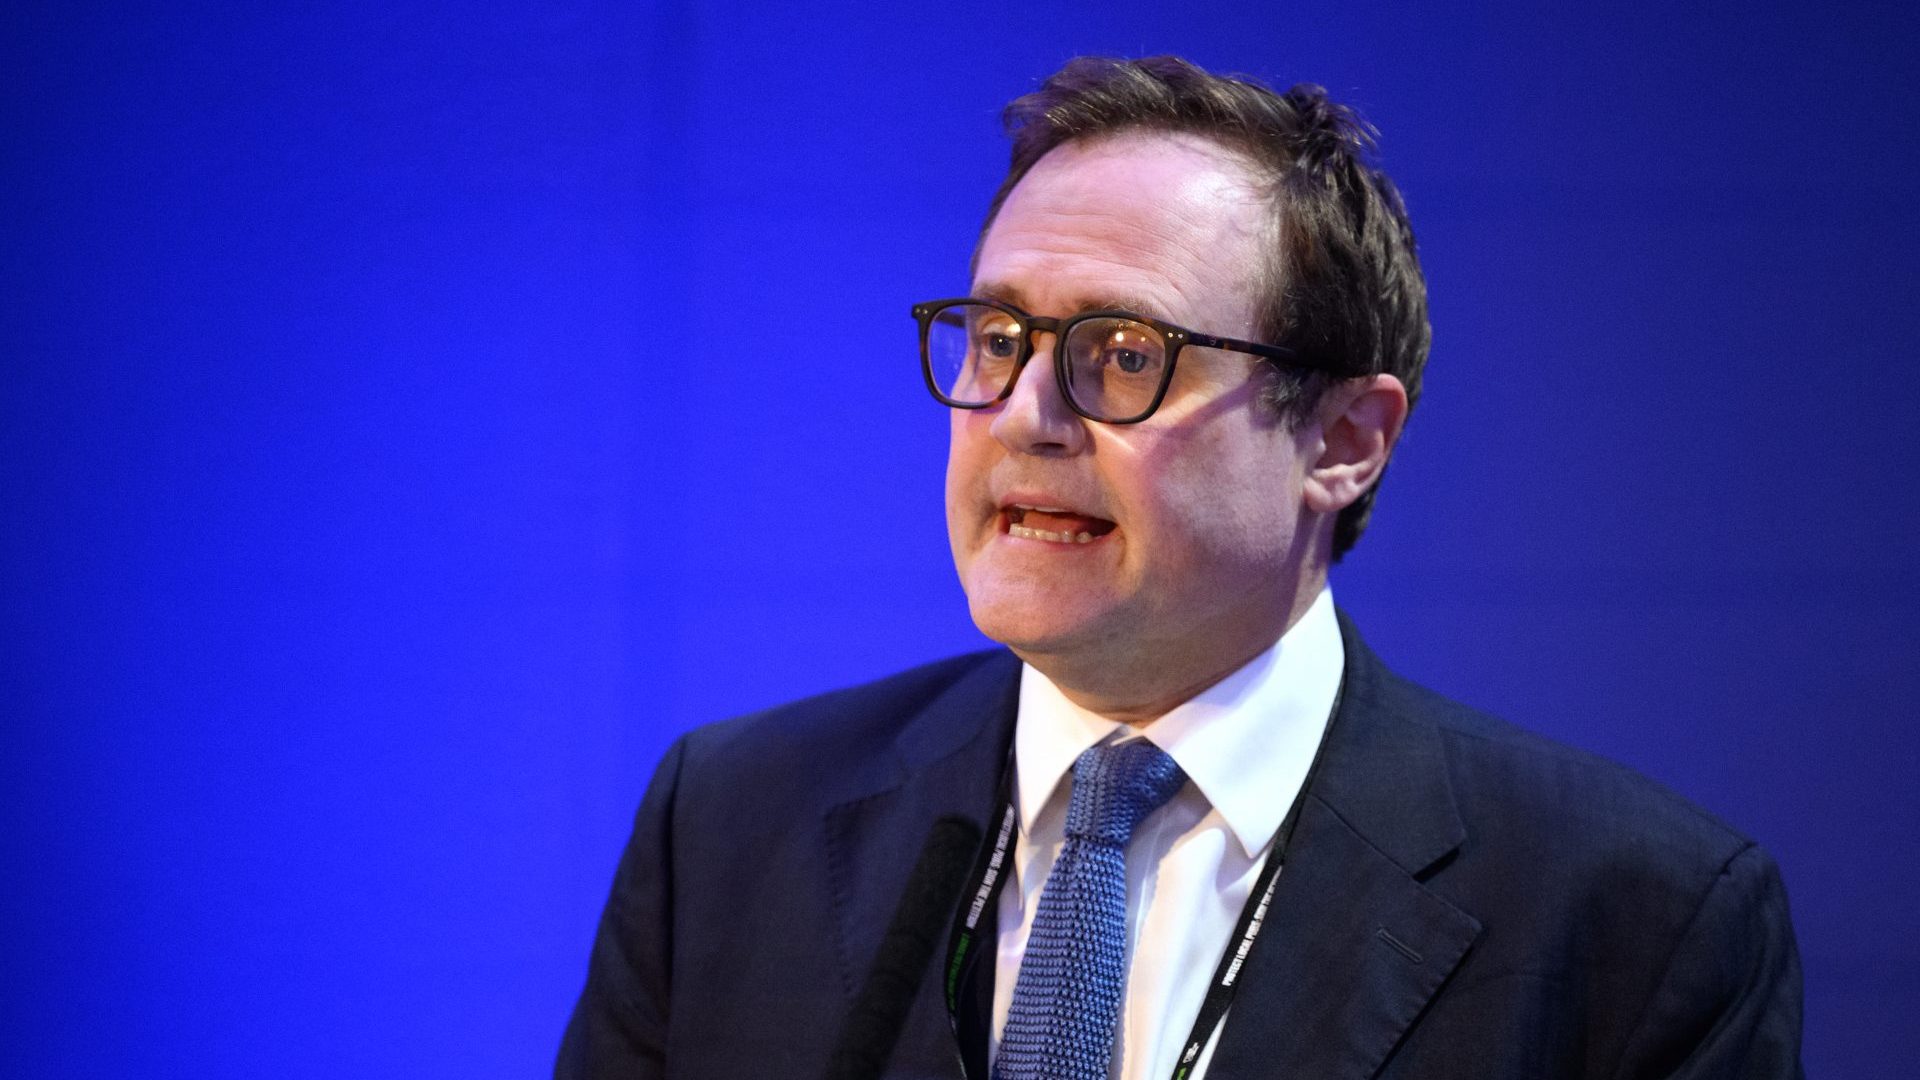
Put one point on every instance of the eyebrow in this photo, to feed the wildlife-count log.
(1011, 294)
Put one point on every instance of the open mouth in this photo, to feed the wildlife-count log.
(1054, 525)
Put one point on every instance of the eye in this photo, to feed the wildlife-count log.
(996, 335)
(1128, 349)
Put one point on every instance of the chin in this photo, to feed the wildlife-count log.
(1047, 609)
(1030, 628)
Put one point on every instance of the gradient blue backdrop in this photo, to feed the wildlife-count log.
(413, 418)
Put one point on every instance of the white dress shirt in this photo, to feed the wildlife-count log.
(1245, 744)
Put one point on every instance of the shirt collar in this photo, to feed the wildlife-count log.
(1246, 742)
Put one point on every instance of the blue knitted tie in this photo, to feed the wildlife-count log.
(1066, 1002)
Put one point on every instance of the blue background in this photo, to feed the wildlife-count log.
(412, 419)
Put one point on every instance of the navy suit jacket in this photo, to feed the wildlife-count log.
(1461, 899)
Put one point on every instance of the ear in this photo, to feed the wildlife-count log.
(1360, 421)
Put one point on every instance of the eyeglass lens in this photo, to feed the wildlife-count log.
(1113, 372)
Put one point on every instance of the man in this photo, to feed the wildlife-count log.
(1235, 844)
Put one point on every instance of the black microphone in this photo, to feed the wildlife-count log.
(879, 1013)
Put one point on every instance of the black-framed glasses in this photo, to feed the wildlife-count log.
(1113, 367)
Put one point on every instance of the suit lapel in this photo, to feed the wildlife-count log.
(947, 760)
(1353, 946)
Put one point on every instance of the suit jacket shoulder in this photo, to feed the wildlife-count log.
(1521, 792)
(765, 862)
(1501, 890)
(831, 743)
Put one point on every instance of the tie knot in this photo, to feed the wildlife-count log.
(1115, 787)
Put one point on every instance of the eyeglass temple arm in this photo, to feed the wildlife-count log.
(1271, 352)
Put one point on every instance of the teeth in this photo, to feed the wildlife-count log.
(1026, 532)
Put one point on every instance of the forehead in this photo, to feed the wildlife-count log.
(1170, 225)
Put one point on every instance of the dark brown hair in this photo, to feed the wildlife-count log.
(1343, 285)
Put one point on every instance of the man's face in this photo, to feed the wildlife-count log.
(1195, 514)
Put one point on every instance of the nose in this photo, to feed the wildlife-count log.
(1035, 418)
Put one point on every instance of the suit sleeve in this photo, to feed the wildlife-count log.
(619, 1025)
(1728, 1004)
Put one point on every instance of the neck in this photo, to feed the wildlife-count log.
(1137, 682)
(1136, 707)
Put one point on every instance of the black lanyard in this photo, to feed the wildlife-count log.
(990, 875)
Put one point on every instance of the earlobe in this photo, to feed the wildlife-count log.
(1360, 421)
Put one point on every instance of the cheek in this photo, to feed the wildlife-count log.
(1233, 505)
(957, 453)
(968, 462)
